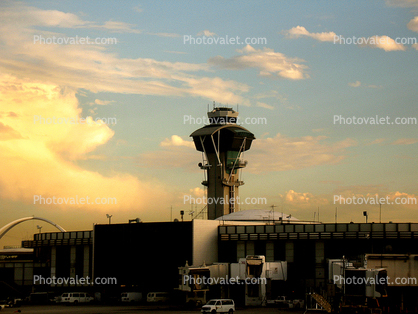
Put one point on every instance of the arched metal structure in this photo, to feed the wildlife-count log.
(9, 226)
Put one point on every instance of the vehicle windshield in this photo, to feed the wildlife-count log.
(211, 302)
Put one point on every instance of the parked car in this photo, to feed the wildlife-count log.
(76, 297)
(297, 304)
(280, 301)
(10, 302)
(131, 296)
(219, 306)
(158, 297)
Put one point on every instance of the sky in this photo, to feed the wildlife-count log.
(98, 100)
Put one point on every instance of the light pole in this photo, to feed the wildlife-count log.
(365, 215)
(380, 213)
(109, 217)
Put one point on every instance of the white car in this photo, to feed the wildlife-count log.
(158, 297)
(76, 297)
(219, 306)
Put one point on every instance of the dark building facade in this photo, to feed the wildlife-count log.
(143, 256)
(16, 271)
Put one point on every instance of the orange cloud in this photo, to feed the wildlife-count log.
(303, 200)
(37, 155)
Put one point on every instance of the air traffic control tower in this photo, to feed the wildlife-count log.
(222, 143)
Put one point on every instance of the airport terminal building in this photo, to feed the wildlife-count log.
(146, 256)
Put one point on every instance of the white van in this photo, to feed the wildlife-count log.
(158, 297)
(76, 297)
(219, 306)
(131, 296)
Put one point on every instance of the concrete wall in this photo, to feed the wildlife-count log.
(205, 241)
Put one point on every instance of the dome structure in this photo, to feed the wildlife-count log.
(258, 215)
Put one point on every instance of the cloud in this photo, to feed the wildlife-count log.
(102, 102)
(358, 84)
(269, 63)
(93, 67)
(304, 204)
(283, 153)
(8, 133)
(405, 141)
(176, 140)
(382, 42)
(26, 16)
(413, 24)
(300, 31)
(206, 33)
(38, 158)
(303, 200)
(393, 199)
(117, 27)
(196, 193)
(264, 105)
(175, 153)
(415, 46)
(355, 84)
(217, 88)
(283, 100)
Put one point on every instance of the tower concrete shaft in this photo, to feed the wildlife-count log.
(222, 143)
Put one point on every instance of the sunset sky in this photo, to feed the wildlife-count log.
(153, 65)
